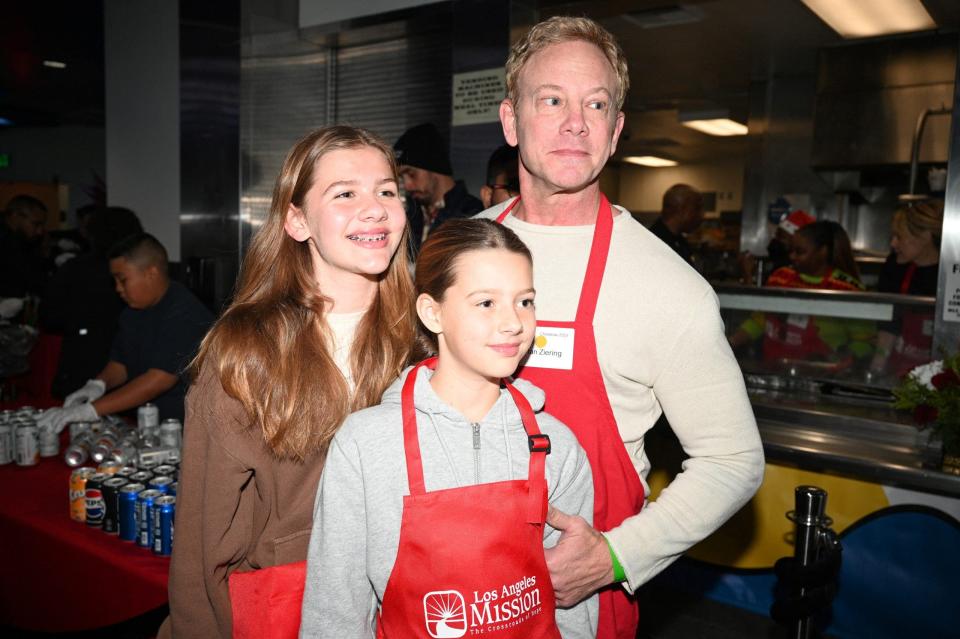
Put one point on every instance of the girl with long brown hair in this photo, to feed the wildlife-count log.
(322, 321)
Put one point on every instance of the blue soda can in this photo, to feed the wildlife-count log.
(173, 488)
(127, 511)
(165, 470)
(142, 477)
(145, 500)
(161, 483)
(163, 514)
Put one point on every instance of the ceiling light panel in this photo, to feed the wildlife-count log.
(718, 126)
(868, 18)
(649, 160)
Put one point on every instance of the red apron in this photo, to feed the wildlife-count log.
(793, 337)
(470, 560)
(266, 603)
(578, 398)
(914, 345)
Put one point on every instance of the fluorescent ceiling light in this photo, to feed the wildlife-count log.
(866, 18)
(54, 64)
(649, 160)
(717, 126)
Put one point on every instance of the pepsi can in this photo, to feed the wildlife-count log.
(163, 515)
(110, 490)
(127, 511)
(145, 516)
(93, 496)
(161, 483)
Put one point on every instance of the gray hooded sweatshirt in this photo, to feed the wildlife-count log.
(356, 525)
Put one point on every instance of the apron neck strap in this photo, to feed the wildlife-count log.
(599, 249)
(538, 442)
(908, 278)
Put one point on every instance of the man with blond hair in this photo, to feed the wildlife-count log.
(626, 330)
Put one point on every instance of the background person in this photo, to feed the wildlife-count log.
(81, 301)
(158, 335)
(778, 248)
(22, 267)
(912, 268)
(321, 323)
(503, 176)
(822, 259)
(433, 195)
(374, 553)
(647, 334)
(680, 215)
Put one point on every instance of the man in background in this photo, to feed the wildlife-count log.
(22, 268)
(433, 195)
(159, 334)
(681, 214)
(503, 176)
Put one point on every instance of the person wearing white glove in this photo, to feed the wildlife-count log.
(91, 391)
(56, 419)
(10, 306)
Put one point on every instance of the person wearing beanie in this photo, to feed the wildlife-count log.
(433, 195)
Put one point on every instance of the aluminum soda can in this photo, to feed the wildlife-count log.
(110, 489)
(142, 477)
(78, 492)
(27, 445)
(127, 511)
(109, 467)
(7, 443)
(103, 445)
(151, 457)
(163, 516)
(148, 420)
(161, 483)
(79, 450)
(147, 462)
(79, 428)
(173, 489)
(145, 516)
(127, 471)
(171, 433)
(168, 470)
(93, 497)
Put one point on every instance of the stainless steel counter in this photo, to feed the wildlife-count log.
(860, 439)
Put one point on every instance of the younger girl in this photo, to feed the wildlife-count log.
(321, 322)
(430, 513)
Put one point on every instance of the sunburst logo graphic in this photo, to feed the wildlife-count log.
(540, 341)
(445, 613)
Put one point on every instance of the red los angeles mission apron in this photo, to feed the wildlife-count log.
(577, 396)
(914, 344)
(470, 559)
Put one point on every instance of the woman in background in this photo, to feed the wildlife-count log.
(912, 268)
(321, 323)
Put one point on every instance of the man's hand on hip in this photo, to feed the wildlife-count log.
(580, 562)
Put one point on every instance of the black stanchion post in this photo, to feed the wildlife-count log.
(810, 506)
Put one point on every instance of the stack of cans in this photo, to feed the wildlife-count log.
(21, 441)
(139, 506)
(131, 492)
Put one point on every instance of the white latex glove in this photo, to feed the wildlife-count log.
(10, 306)
(91, 392)
(56, 419)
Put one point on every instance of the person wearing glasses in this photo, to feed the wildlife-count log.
(503, 176)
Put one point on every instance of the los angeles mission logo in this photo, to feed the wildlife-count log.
(447, 615)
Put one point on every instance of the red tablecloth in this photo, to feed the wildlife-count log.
(58, 575)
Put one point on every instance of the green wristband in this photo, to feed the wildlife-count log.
(619, 576)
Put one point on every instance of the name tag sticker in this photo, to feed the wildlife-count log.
(552, 348)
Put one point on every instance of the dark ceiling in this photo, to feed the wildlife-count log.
(32, 94)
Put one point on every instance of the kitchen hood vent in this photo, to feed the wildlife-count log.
(869, 97)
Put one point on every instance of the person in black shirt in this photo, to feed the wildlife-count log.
(433, 196)
(912, 268)
(22, 267)
(682, 213)
(81, 301)
(159, 334)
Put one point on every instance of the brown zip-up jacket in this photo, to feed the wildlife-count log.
(238, 508)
